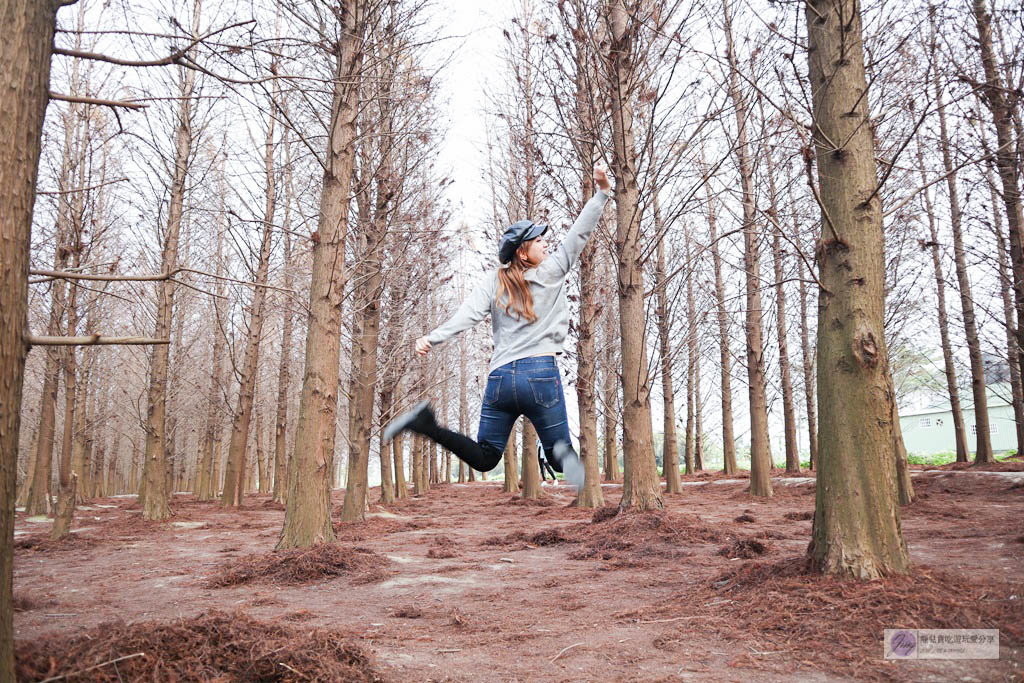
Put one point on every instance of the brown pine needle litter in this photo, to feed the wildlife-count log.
(216, 646)
(824, 623)
(304, 565)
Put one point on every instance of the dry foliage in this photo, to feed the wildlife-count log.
(304, 565)
(214, 646)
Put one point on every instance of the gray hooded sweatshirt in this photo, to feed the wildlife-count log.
(516, 338)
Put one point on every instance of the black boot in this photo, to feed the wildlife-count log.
(420, 420)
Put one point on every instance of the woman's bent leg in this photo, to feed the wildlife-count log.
(421, 420)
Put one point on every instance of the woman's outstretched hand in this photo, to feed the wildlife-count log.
(422, 346)
(601, 178)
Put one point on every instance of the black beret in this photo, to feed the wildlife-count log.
(515, 235)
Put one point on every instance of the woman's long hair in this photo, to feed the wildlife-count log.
(511, 280)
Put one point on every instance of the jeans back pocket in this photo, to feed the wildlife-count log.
(492, 392)
(546, 391)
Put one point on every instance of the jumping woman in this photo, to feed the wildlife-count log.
(525, 298)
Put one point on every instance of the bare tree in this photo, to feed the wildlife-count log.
(856, 529)
(307, 517)
(25, 67)
(640, 488)
(760, 445)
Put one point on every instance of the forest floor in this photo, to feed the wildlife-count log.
(467, 583)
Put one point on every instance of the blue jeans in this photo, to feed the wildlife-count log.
(530, 387)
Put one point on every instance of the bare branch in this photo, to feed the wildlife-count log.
(92, 340)
(92, 100)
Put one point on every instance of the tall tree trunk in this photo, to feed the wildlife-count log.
(284, 373)
(670, 451)
(531, 466)
(25, 69)
(261, 456)
(369, 278)
(369, 283)
(590, 496)
(610, 394)
(807, 358)
(856, 528)
(1007, 155)
(155, 502)
(640, 489)
(760, 446)
(307, 518)
(39, 502)
(691, 361)
(983, 445)
(511, 467)
(698, 413)
(66, 476)
(401, 486)
(960, 434)
(418, 478)
(725, 355)
(788, 408)
(463, 403)
(387, 478)
(234, 480)
(85, 406)
(207, 480)
(1005, 287)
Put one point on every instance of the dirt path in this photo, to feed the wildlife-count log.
(474, 591)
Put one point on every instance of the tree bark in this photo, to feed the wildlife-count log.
(155, 502)
(856, 529)
(284, 373)
(960, 434)
(995, 98)
(511, 467)
(1005, 287)
(725, 355)
(691, 363)
(983, 444)
(207, 480)
(307, 518)
(25, 69)
(463, 403)
(640, 489)
(369, 279)
(39, 502)
(807, 358)
(531, 465)
(760, 446)
(670, 451)
(401, 486)
(610, 394)
(781, 331)
(234, 479)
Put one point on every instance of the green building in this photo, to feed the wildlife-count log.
(930, 430)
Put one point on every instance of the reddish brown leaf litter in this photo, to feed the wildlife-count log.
(746, 548)
(217, 646)
(293, 567)
(373, 527)
(531, 612)
(817, 622)
(1012, 465)
(543, 501)
(41, 543)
